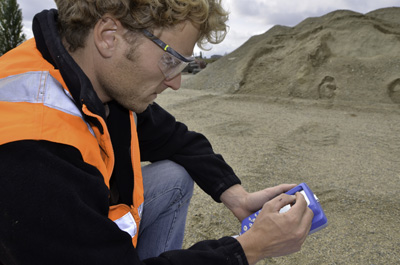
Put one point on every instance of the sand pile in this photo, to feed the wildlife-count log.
(340, 56)
(316, 103)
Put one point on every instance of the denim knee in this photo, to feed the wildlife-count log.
(182, 176)
(171, 174)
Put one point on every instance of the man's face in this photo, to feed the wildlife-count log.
(133, 76)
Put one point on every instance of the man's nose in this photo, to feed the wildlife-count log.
(174, 83)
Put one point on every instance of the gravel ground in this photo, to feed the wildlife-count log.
(347, 152)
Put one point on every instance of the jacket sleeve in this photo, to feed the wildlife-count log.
(54, 207)
(162, 137)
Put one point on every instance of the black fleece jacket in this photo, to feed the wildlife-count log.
(54, 206)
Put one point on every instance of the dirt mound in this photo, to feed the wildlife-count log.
(342, 55)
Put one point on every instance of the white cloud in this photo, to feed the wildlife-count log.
(29, 9)
(253, 17)
(248, 17)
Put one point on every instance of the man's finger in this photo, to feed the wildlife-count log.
(280, 201)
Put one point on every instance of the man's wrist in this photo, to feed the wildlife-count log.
(232, 197)
(249, 247)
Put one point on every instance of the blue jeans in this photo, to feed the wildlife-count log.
(168, 189)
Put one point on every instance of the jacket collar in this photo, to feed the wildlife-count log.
(49, 43)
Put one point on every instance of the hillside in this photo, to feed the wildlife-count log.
(342, 56)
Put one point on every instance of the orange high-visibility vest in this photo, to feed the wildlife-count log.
(35, 104)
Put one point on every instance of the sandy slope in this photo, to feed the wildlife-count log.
(345, 144)
(348, 155)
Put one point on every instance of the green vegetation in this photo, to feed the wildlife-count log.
(11, 34)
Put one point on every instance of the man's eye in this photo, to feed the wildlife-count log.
(170, 61)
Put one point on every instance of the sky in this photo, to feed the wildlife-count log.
(247, 17)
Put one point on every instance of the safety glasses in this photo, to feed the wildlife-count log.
(171, 63)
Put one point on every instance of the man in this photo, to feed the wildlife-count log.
(71, 186)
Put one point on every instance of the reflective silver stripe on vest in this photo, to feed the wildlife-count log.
(127, 223)
(39, 87)
(135, 117)
(140, 210)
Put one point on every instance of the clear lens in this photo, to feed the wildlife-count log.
(171, 66)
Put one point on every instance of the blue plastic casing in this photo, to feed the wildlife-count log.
(319, 221)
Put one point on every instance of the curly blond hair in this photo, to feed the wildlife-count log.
(78, 17)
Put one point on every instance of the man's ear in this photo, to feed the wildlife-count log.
(105, 35)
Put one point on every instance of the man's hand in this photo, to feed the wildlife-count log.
(243, 204)
(276, 234)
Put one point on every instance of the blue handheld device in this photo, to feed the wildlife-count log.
(319, 221)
